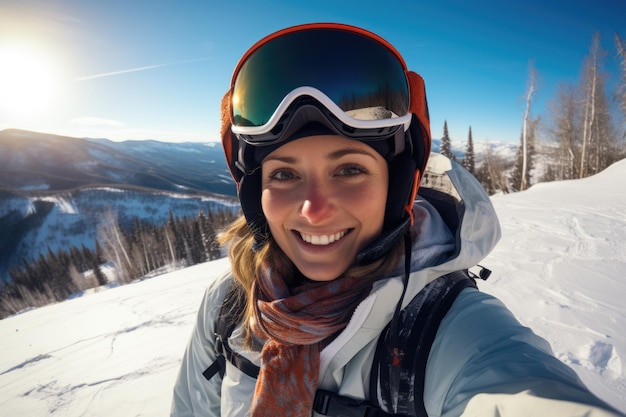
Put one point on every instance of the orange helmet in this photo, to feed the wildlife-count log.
(327, 78)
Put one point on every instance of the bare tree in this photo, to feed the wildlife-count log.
(566, 132)
(620, 44)
(530, 90)
(492, 173)
(593, 90)
(114, 245)
(525, 155)
(583, 122)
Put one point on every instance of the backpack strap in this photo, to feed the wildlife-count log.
(230, 315)
(329, 403)
(399, 372)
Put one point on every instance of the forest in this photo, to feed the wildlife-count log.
(135, 253)
(583, 134)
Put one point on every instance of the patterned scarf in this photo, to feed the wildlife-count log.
(297, 323)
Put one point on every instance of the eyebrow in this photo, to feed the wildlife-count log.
(333, 156)
(348, 151)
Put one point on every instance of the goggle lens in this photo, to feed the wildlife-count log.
(363, 77)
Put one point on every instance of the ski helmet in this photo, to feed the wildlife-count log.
(327, 78)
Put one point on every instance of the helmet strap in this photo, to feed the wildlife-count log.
(383, 244)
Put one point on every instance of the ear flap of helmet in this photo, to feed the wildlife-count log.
(250, 197)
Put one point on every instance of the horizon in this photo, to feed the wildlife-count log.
(140, 71)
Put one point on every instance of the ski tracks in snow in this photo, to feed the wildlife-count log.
(569, 261)
(102, 359)
(60, 398)
(77, 359)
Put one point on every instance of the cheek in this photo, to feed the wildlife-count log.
(366, 202)
(372, 204)
(275, 205)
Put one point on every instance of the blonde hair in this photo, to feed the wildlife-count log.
(247, 262)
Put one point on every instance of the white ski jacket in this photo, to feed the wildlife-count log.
(483, 362)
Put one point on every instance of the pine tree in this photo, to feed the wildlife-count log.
(97, 272)
(468, 161)
(527, 165)
(198, 254)
(445, 149)
(516, 174)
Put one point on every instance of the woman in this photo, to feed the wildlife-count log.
(327, 136)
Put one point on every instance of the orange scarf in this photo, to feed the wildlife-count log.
(297, 323)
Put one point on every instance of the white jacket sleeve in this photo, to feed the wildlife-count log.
(484, 363)
(194, 395)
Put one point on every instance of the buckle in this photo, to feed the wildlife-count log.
(332, 404)
(219, 344)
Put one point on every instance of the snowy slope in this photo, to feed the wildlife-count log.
(560, 267)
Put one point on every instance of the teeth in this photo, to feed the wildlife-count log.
(322, 240)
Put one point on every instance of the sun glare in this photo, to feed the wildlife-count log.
(28, 83)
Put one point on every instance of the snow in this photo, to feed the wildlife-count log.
(64, 205)
(560, 268)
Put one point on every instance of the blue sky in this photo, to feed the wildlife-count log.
(156, 69)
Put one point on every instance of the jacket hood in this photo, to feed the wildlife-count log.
(456, 221)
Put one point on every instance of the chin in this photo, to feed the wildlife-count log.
(321, 273)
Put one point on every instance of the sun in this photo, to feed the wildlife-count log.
(28, 82)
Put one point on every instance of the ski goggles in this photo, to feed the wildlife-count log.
(360, 78)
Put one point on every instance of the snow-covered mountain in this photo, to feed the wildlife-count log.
(55, 190)
(560, 268)
(31, 161)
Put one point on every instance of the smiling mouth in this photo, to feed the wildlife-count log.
(322, 240)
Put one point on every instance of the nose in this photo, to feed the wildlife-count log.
(318, 203)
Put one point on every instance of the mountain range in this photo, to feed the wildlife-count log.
(43, 163)
(54, 190)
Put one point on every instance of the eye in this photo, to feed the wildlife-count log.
(351, 170)
(281, 175)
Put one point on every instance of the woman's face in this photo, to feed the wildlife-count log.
(324, 199)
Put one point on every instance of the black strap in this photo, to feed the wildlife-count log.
(332, 404)
(230, 315)
(399, 365)
(219, 365)
(431, 321)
